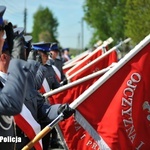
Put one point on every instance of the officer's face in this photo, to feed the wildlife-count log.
(4, 61)
(44, 57)
(66, 52)
(53, 54)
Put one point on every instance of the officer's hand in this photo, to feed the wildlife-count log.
(10, 35)
(18, 50)
(64, 82)
(32, 55)
(66, 110)
(39, 58)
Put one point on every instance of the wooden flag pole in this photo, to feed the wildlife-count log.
(44, 131)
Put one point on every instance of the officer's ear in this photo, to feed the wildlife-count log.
(5, 57)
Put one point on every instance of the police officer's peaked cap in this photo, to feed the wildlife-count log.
(54, 47)
(41, 46)
(66, 49)
(2, 10)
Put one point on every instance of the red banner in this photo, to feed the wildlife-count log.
(85, 61)
(97, 65)
(75, 61)
(70, 94)
(120, 108)
(75, 136)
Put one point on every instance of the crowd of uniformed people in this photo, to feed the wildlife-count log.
(23, 68)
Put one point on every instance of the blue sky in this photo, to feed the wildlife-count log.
(68, 13)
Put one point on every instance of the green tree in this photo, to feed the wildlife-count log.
(137, 19)
(106, 18)
(44, 26)
(45, 36)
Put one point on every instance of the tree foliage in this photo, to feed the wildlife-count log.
(44, 26)
(137, 19)
(45, 36)
(106, 18)
(118, 19)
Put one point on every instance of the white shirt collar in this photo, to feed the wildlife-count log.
(3, 75)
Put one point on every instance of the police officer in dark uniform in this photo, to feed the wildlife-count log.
(65, 55)
(42, 51)
(12, 91)
(58, 61)
(32, 55)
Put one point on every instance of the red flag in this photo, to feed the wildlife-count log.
(77, 58)
(93, 55)
(71, 93)
(68, 67)
(74, 61)
(119, 109)
(75, 136)
(97, 64)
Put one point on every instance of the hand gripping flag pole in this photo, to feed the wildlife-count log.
(41, 134)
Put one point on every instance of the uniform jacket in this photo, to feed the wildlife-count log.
(12, 94)
(40, 75)
(58, 62)
(50, 76)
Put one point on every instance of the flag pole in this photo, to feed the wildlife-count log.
(72, 61)
(97, 59)
(43, 132)
(105, 43)
(69, 85)
(91, 89)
